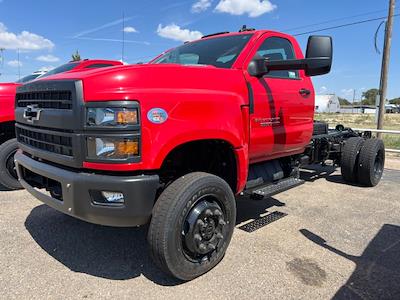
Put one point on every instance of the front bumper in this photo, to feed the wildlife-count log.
(77, 193)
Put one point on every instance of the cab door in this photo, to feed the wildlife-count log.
(281, 122)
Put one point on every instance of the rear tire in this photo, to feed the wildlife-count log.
(8, 174)
(371, 162)
(350, 157)
(192, 225)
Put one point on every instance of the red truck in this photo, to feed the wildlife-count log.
(8, 143)
(173, 141)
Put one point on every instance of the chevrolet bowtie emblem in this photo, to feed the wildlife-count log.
(32, 113)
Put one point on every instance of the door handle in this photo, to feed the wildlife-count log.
(305, 92)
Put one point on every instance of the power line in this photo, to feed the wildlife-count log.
(335, 20)
(344, 25)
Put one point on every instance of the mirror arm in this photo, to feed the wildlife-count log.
(283, 65)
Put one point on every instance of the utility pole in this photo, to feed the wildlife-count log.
(385, 65)
(19, 65)
(123, 37)
(2, 56)
(354, 99)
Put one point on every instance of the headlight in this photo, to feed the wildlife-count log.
(112, 148)
(112, 116)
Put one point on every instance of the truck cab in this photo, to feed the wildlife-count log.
(173, 141)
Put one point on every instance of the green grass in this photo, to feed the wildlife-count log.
(391, 122)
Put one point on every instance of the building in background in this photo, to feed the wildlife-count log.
(327, 104)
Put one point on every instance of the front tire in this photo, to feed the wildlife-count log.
(192, 225)
(8, 174)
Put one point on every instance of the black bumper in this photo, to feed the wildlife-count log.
(77, 193)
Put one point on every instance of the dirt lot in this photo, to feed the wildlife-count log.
(337, 241)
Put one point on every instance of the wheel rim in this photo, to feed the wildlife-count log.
(378, 165)
(10, 165)
(204, 230)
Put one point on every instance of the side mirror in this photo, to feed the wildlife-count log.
(319, 55)
(318, 60)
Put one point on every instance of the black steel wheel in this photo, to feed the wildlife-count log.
(203, 230)
(8, 173)
(192, 225)
(371, 162)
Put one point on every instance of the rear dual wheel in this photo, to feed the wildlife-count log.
(363, 161)
(192, 225)
(371, 162)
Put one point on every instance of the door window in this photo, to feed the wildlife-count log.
(276, 48)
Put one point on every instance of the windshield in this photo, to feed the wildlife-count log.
(219, 52)
(28, 78)
(61, 69)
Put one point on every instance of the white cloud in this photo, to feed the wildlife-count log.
(254, 8)
(46, 68)
(323, 90)
(14, 63)
(201, 5)
(176, 33)
(47, 58)
(23, 41)
(130, 29)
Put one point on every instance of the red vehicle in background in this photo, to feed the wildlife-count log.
(8, 143)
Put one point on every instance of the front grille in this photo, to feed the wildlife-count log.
(45, 99)
(45, 141)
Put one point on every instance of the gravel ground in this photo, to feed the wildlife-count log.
(337, 241)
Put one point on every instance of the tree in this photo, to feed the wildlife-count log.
(76, 56)
(344, 101)
(395, 101)
(370, 97)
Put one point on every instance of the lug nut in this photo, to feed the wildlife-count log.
(202, 248)
(208, 213)
(200, 223)
(211, 247)
(219, 236)
(197, 237)
(222, 222)
(217, 213)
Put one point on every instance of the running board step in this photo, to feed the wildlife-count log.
(275, 188)
(262, 221)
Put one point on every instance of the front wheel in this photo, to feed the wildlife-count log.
(8, 173)
(192, 225)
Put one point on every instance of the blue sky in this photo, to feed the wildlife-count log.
(48, 32)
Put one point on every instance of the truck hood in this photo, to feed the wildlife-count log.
(133, 81)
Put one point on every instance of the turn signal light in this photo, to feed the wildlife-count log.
(127, 147)
(127, 117)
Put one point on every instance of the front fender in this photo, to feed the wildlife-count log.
(203, 117)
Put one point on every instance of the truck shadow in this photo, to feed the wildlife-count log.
(248, 209)
(377, 272)
(106, 252)
(314, 172)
